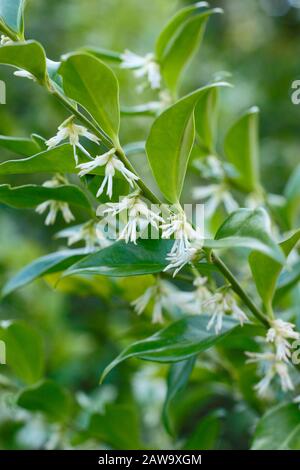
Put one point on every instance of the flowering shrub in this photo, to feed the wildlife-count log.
(219, 284)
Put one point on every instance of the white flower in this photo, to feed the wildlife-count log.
(71, 131)
(143, 67)
(279, 334)
(177, 260)
(56, 181)
(219, 305)
(216, 195)
(55, 207)
(210, 167)
(111, 163)
(193, 301)
(271, 367)
(4, 40)
(161, 294)
(187, 241)
(24, 74)
(89, 232)
(138, 216)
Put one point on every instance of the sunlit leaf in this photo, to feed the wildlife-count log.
(28, 55)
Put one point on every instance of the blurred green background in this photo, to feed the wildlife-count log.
(83, 325)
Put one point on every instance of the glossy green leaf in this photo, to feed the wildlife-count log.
(28, 55)
(248, 228)
(182, 47)
(23, 197)
(170, 143)
(93, 85)
(279, 429)
(242, 150)
(178, 377)
(112, 427)
(19, 145)
(104, 54)
(179, 341)
(24, 350)
(56, 160)
(49, 264)
(171, 29)
(12, 17)
(266, 270)
(206, 120)
(47, 397)
(121, 259)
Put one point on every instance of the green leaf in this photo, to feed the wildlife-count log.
(28, 55)
(182, 46)
(266, 270)
(49, 264)
(104, 54)
(24, 197)
(24, 350)
(47, 397)
(292, 195)
(169, 31)
(12, 17)
(248, 228)
(125, 259)
(56, 160)
(146, 109)
(206, 120)
(112, 427)
(170, 143)
(279, 429)
(242, 150)
(19, 145)
(179, 341)
(94, 86)
(178, 377)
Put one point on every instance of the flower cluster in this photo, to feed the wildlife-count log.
(143, 67)
(90, 233)
(275, 363)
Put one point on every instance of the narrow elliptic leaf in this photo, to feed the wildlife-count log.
(174, 24)
(179, 341)
(279, 429)
(292, 195)
(47, 397)
(170, 143)
(112, 427)
(19, 145)
(24, 197)
(28, 55)
(94, 86)
(206, 120)
(56, 160)
(49, 264)
(182, 47)
(24, 350)
(178, 377)
(12, 16)
(248, 228)
(104, 54)
(125, 259)
(242, 150)
(266, 270)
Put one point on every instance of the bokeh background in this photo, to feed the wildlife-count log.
(83, 325)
